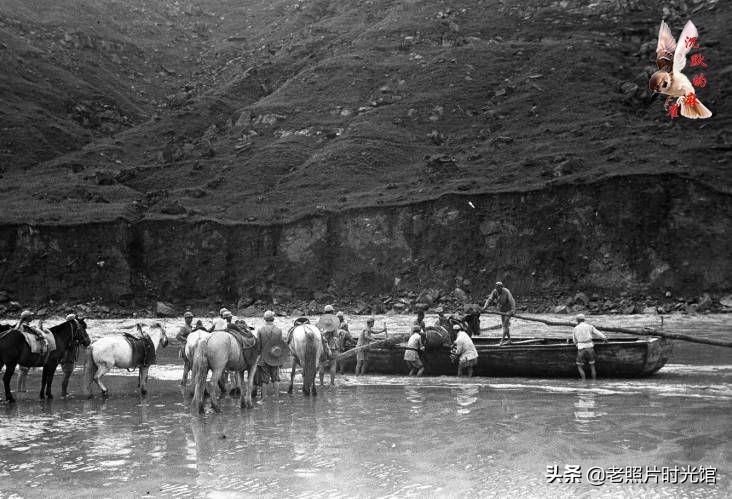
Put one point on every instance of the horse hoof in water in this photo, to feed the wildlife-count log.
(315, 391)
(105, 395)
(49, 396)
(10, 400)
(143, 392)
(289, 390)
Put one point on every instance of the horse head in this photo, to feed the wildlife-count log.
(163, 335)
(79, 333)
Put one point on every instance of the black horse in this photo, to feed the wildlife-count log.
(14, 350)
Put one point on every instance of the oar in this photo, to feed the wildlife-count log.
(637, 332)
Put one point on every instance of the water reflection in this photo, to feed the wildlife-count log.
(585, 413)
(416, 398)
(465, 397)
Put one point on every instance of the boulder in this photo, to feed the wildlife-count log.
(628, 309)
(163, 309)
(650, 310)
(399, 306)
(582, 298)
(562, 309)
(249, 312)
(13, 306)
(244, 302)
(313, 307)
(461, 295)
(705, 303)
(726, 301)
(297, 313)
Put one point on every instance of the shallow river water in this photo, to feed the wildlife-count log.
(384, 436)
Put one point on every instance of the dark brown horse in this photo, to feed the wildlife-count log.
(69, 336)
(14, 350)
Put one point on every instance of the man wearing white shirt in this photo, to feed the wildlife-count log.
(582, 337)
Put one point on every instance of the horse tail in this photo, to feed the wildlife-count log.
(199, 371)
(90, 368)
(309, 362)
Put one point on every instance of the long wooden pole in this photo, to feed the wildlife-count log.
(638, 332)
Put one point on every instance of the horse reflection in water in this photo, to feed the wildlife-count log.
(116, 351)
(217, 353)
(306, 346)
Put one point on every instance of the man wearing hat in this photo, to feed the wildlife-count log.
(582, 337)
(220, 323)
(506, 305)
(182, 336)
(328, 324)
(441, 321)
(274, 354)
(24, 324)
(413, 351)
(343, 325)
(464, 351)
(364, 339)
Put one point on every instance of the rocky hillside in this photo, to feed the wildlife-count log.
(234, 122)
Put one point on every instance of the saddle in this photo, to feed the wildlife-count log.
(245, 339)
(298, 322)
(42, 345)
(143, 349)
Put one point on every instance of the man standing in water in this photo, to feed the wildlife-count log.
(413, 352)
(182, 337)
(274, 351)
(582, 337)
(364, 339)
(506, 305)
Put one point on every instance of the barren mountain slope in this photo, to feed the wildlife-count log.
(269, 110)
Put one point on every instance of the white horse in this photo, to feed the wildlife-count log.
(219, 352)
(306, 347)
(189, 350)
(115, 351)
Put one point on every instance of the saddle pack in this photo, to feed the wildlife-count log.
(245, 339)
(143, 349)
(39, 341)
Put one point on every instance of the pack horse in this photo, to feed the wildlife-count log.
(125, 351)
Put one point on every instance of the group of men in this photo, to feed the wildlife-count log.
(337, 339)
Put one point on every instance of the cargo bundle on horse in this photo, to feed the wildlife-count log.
(126, 351)
(25, 348)
(235, 349)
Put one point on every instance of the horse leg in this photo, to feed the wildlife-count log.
(247, 399)
(143, 380)
(47, 380)
(292, 377)
(9, 370)
(186, 370)
(215, 389)
(102, 369)
(333, 366)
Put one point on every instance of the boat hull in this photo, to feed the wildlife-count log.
(534, 357)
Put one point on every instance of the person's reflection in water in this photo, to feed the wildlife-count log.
(416, 398)
(465, 397)
(585, 413)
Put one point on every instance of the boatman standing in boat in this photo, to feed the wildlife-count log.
(506, 305)
(582, 337)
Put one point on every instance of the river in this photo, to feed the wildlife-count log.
(388, 436)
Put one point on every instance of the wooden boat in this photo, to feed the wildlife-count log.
(531, 357)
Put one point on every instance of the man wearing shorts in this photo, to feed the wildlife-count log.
(274, 352)
(364, 339)
(464, 351)
(582, 337)
(413, 350)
